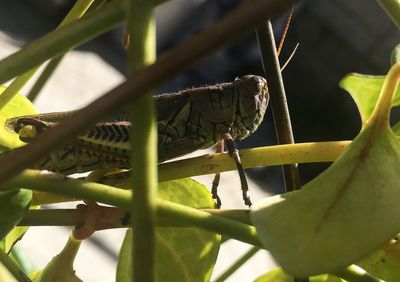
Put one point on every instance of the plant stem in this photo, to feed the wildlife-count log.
(381, 112)
(77, 11)
(254, 157)
(237, 264)
(233, 25)
(109, 217)
(53, 217)
(54, 62)
(280, 109)
(62, 40)
(209, 164)
(168, 211)
(13, 268)
(141, 53)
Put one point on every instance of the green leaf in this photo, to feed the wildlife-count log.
(365, 90)
(341, 216)
(182, 254)
(385, 262)
(395, 55)
(13, 205)
(278, 275)
(18, 106)
(13, 237)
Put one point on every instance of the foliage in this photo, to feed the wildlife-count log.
(347, 215)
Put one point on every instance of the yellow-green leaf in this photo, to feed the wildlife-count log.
(182, 254)
(13, 205)
(341, 216)
(365, 90)
(18, 106)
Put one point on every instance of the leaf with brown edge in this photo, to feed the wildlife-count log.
(341, 216)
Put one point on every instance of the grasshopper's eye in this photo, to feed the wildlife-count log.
(27, 132)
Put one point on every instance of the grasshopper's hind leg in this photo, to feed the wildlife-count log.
(219, 147)
(234, 153)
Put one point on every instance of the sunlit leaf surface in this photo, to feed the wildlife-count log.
(365, 90)
(182, 254)
(341, 216)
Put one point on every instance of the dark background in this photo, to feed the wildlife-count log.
(335, 37)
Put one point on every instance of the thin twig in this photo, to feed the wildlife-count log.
(280, 110)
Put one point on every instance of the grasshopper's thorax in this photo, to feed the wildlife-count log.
(252, 102)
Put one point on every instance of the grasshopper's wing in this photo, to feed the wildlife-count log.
(178, 148)
(168, 104)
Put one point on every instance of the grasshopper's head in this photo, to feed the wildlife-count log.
(26, 127)
(252, 103)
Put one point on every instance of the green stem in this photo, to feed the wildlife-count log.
(106, 217)
(255, 157)
(141, 53)
(52, 65)
(237, 264)
(168, 211)
(392, 9)
(186, 216)
(44, 77)
(53, 217)
(383, 105)
(77, 11)
(62, 40)
(13, 268)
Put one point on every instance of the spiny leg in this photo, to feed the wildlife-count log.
(234, 153)
(219, 147)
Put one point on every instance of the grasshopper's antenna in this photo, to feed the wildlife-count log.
(290, 57)
(285, 30)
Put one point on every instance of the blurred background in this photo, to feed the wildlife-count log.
(335, 38)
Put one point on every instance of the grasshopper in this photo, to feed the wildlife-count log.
(187, 121)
